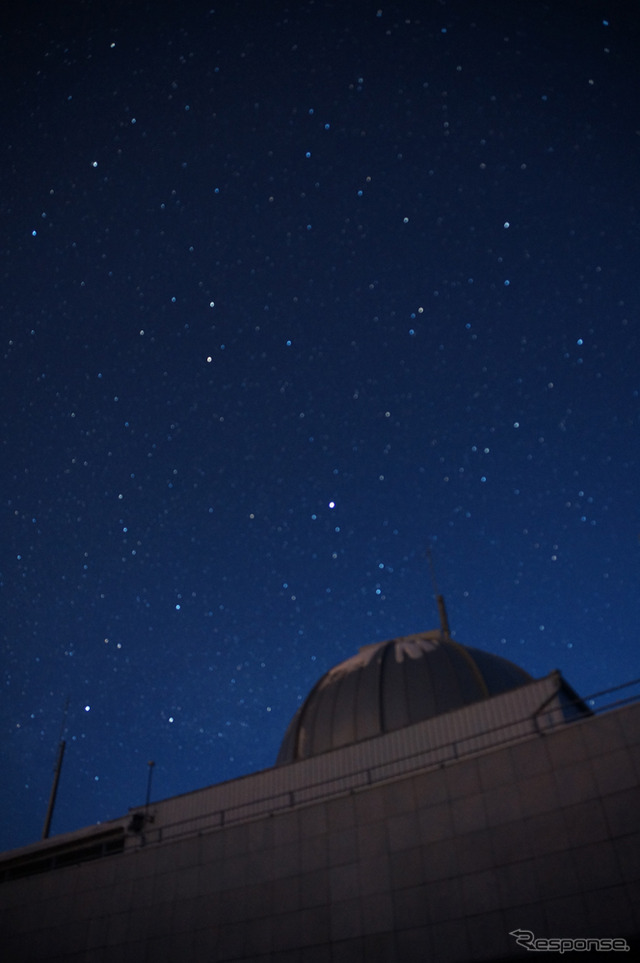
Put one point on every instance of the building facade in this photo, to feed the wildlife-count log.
(508, 816)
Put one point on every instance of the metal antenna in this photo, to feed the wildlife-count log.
(442, 610)
(150, 764)
(56, 774)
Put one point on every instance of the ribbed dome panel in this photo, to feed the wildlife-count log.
(391, 685)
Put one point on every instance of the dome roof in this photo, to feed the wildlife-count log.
(393, 684)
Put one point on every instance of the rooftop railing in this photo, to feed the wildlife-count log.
(141, 830)
(567, 711)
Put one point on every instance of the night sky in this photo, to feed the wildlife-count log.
(291, 293)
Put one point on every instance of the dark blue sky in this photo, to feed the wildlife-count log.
(290, 292)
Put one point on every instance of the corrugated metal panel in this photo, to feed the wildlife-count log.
(343, 723)
(368, 707)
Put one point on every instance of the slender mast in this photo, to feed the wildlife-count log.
(442, 609)
(56, 775)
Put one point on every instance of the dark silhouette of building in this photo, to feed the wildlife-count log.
(430, 802)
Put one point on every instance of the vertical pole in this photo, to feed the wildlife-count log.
(444, 621)
(442, 610)
(151, 764)
(56, 774)
(54, 790)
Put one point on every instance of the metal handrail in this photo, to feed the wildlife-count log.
(369, 775)
(147, 834)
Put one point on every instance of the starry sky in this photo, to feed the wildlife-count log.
(291, 293)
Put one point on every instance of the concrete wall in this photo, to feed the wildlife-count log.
(542, 835)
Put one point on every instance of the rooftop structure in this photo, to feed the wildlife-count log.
(391, 685)
(430, 801)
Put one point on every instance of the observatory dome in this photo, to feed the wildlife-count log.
(393, 684)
